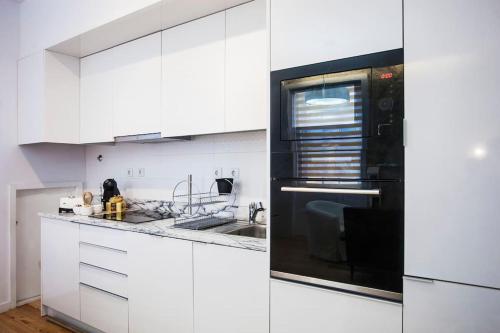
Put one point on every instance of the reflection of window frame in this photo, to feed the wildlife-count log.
(305, 147)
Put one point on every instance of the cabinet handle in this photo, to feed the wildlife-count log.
(102, 269)
(102, 290)
(330, 190)
(418, 279)
(102, 247)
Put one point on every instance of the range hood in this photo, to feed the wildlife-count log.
(148, 138)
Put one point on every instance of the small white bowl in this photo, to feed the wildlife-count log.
(77, 209)
(86, 210)
(97, 209)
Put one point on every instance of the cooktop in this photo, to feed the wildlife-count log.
(136, 216)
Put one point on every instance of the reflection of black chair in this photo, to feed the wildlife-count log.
(374, 239)
(324, 229)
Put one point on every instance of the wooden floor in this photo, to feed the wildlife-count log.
(27, 319)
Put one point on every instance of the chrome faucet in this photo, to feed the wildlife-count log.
(253, 210)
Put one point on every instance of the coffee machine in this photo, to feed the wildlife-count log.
(110, 189)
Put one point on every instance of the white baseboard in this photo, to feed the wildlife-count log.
(5, 306)
(28, 300)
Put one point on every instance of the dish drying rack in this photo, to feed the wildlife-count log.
(202, 210)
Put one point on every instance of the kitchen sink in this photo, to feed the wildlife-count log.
(254, 230)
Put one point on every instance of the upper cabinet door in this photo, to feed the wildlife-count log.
(96, 97)
(31, 99)
(193, 77)
(246, 67)
(311, 31)
(137, 86)
(48, 98)
(451, 156)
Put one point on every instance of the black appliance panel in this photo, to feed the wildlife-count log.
(350, 238)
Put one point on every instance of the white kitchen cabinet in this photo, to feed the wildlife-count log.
(60, 267)
(311, 31)
(451, 154)
(436, 307)
(297, 308)
(193, 77)
(231, 290)
(246, 67)
(48, 98)
(104, 311)
(96, 97)
(160, 284)
(137, 86)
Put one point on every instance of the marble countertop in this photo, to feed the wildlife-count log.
(166, 228)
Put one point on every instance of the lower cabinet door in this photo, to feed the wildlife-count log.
(103, 310)
(160, 290)
(297, 308)
(60, 267)
(231, 290)
(435, 307)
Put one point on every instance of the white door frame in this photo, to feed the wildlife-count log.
(13, 188)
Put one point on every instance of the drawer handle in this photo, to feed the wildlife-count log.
(102, 269)
(104, 291)
(417, 279)
(102, 247)
(329, 190)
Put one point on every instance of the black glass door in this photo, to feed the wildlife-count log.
(332, 105)
(350, 234)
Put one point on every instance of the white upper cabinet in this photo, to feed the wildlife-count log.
(451, 202)
(310, 31)
(246, 67)
(193, 77)
(436, 307)
(96, 97)
(48, 98)
(231, 290)
(137, 86)
(160, 284)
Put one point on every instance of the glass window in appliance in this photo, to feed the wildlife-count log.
(325, 106)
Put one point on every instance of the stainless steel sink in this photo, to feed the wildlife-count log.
(254, 230)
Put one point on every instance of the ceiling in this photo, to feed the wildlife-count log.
(160, 16)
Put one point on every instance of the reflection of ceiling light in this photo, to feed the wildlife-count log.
(327, 95)
(326, 101)
(479, 152)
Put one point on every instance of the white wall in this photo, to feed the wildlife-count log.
(48, 22)
(23, 165)
(168, 163)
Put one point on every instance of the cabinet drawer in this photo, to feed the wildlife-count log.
(112, 282)
(104, 257)
(104, 311)
(106, 237)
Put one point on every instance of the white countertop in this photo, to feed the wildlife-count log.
(165, 228)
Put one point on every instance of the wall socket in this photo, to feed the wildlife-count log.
(234, 173)
(141, 172)
(217, 172)
(130, 172)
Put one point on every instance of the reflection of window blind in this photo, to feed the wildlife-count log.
(329, 158)
(319, 121)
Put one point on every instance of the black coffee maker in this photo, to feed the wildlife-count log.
(110, 189)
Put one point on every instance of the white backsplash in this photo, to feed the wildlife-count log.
(168, 163)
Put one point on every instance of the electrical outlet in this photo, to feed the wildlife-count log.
(234, 173)
(130, 172)
(217, 172)
(141, 172)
